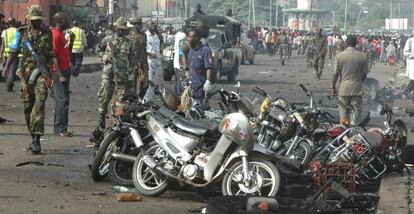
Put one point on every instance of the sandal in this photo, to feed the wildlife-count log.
(65, 134)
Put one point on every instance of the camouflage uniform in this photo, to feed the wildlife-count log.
(283, 46)
(320, 44)
(309, 49)
(118, 59)
(33, 96)
(139, 39)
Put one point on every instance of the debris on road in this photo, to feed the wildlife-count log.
(38, 163)
(121, 189)
(128, 197)
(99, 193)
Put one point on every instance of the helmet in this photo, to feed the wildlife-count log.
(121, 23)
(34, 12)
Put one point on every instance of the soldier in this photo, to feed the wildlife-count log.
(198, 11)
(141, 70)
(118, 65)
(35, 45)
(320, 43)
(282, 42)
(6, 39)
(352, 67)
(309, 48)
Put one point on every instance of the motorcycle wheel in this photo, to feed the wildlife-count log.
(120, 172)
(100, 164)
(302, 153)
(147, 182)
(265, 178)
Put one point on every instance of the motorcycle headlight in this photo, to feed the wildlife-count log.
(281, 103)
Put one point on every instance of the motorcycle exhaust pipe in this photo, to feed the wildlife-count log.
(150, 162)
(123, 157)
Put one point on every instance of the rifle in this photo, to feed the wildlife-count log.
(41, 65)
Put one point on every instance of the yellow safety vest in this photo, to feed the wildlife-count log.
(78, 42)
(8, 39)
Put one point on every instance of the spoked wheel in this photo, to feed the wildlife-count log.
(301, 153)
(120, 172)
(146, 181)
(100, 164)
(265, 179)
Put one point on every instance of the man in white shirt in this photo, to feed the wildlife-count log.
(409, 53)
(153, 52)
(179, 37)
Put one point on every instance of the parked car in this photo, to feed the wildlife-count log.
(225, 54)
(247, 50)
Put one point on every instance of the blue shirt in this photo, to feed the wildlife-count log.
(199, 60)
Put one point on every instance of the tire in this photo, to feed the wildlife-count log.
(98, 172)
(303, 146)
(140, 185)
(120, 172)
(266, 167)
(167, 74)
(219, 71)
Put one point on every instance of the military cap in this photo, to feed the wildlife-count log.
(136, 20)
(121, 23)
(34, 12)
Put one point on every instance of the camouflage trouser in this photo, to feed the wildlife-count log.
(350, 108)
(318, 65)
(106, 90)
(282, 52)
(33, 98)
(309, 58)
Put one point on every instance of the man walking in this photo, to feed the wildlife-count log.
(61, 74)
(153, 53)
(79, 45)
(6, 40)
(119, 60)
(200, 66)
(35, 45)
(282, 43)
(409, 53)
(339, 45)
(140, 73)
(320, 43)
(351, 66)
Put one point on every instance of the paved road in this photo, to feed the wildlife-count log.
(69, 189)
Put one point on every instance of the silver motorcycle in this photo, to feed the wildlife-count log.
(200, 154)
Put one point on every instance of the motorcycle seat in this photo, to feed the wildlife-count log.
(198, 128)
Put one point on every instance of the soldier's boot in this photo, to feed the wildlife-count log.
(97, 133)
(35, 147)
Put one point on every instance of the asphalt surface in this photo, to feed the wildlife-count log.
(69, 188)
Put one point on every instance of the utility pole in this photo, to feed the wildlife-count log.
(270, 13)
(284, 15)
(250, 11)
(232, 7)
(254, 12)
(111, 10)
(277, 14)
(346, 14)
(11, 8)
(391, 15)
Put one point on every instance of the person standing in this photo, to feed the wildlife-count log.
(179, 38)
(330, 42)
(409, 54)
(200, 66)
(139, 39)
(6, 40)
(79, 45)
(35, 44)
(61, 74)
(320, 43)
(351, 66)
(153, 53)
(309, 48)
(391, 53)
(339, 45)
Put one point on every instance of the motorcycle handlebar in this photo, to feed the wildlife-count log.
(259, 91)
(303, 88)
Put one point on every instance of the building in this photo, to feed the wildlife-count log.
(75, 8)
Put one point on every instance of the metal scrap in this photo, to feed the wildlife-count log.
(38, 163)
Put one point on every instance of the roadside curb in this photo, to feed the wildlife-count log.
(394, 195)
